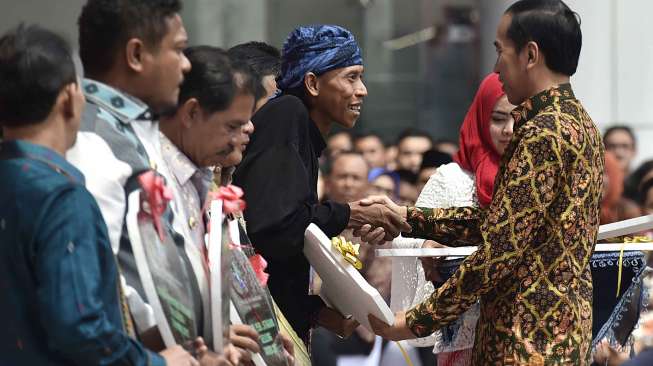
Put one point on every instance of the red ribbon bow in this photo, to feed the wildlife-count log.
(231, 198)
(259, 264)
(157, 196)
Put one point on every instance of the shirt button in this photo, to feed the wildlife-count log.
(70, 247)
(192, 223)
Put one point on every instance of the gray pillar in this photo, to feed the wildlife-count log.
(490, 15)
(225, 23)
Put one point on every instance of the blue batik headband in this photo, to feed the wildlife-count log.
(316, 49)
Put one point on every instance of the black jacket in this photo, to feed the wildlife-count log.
(279, 176)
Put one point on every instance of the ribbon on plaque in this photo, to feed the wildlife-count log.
(348, 250)
(157, 196)
(628, 240)
(164, 275)
(231, 197)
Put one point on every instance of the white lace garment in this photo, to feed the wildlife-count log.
(449, 186)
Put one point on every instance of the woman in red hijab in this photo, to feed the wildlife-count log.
(484, 135)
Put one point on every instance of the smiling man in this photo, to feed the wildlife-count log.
(321, 84)
(530, 272)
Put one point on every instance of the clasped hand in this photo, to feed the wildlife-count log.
(377, 219)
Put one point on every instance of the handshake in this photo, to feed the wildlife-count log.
(376, 219)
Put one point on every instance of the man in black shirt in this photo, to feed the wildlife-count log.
(321, 84)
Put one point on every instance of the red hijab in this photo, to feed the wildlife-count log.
(477, 153)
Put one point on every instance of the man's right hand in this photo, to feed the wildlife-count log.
(244, 340)
(178, 356)
(380, 217)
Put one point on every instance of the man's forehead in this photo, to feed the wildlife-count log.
(502, 30)
(370, 140)
(348, 160)
(176, 28)
(348, 69)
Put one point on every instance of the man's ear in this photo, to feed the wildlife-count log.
(189, 113)
(533, 54)
(134, 54)
(312, 84)
(66, 100)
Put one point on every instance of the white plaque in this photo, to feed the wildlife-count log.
(343, 287)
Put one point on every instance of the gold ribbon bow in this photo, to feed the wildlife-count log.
(348, 250)
(628, 240)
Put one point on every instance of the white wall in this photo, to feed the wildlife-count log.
(60, 15)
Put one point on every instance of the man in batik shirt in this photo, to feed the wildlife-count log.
(531, 270)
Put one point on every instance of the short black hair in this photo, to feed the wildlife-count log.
(248, 81)
(553, 26)
(443, 140)
(35, 65)
(327, 168)
(434, 159)
(210, 79)
(413, 132)
(265, 59)
(623, 128)
(643, 191)
(106, 25)
(214, 79)
(407, 176)
(342, 132)
(364, 135)
(634, 180)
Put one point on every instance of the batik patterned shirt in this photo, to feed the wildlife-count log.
(531, 270)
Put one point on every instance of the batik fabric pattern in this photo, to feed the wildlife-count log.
(531, 272)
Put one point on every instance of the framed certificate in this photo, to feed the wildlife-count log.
(219, 254)
(163, 276)
(343, 287)
(253, 304)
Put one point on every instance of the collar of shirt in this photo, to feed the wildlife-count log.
(125, 107)
(317, 140)
(181, 166)
(533, 105)
(22, 149)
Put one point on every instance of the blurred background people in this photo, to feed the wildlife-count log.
(634, 181)
(346, 178)
(371, 146)
(339, 142)
(621, 141)
(446, 146)
(411, 144)
(431, 161)
(408, 192)
(384, 182)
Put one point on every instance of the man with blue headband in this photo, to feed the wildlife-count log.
(320, 85)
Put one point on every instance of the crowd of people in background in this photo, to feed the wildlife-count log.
(400, 168)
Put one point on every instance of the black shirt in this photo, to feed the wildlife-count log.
(279, 176)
